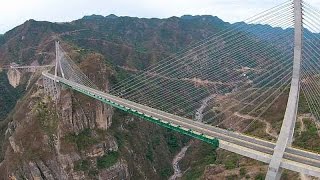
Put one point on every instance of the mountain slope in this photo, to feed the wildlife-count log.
(83, 140)
(80, 138)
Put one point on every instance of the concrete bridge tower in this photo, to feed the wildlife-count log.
(288, 124)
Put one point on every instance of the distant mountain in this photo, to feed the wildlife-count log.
(99, 17)
(1, 39)
(93, 17)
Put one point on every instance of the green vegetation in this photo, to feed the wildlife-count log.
(172, 141)
(308, 139)
(47, 118)
(121, 75)
(147, 141)
(120, 139)
(200, 156)
(232, 161)
(166, 172)
(155, 141)
(257, 129)
(303, 105)
(82, 165)
(86, 166)
(285, 175)
(243, 172)
(8, 95)
(149, 154)
(107, 160)
(259, 176)
(83, 140)
(229, 160)
(41, 128)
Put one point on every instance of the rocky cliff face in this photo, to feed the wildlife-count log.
(42, 131)
(74, 137)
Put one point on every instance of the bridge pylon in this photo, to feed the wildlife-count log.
(51, 87)
(58, 60)
(285, 137)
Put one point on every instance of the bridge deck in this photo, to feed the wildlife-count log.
(27, 67)
(294, 159)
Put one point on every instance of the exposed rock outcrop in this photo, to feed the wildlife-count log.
(103, 116)
(14, 77)
(14, 146)
(35, 137)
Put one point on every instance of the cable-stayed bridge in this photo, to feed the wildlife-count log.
(243, 75)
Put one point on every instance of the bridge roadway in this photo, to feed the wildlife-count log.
(26, 67)
(30, 67)
(294, 159)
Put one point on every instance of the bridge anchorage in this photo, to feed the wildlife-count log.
(234, 79)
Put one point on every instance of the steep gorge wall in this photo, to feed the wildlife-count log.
(81, 138)
(37, 135)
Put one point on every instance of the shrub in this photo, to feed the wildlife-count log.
(149, 154)
(82, 165)
(231, 162)
(259, 176)
(243, 171)
(107, 160)
(83, 140)
(166, 172)
(47, 118)
(172, 142)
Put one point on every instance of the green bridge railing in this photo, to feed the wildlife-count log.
(177, 128)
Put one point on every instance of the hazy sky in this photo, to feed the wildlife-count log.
(15, 12)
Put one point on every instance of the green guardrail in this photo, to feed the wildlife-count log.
(188, 132)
